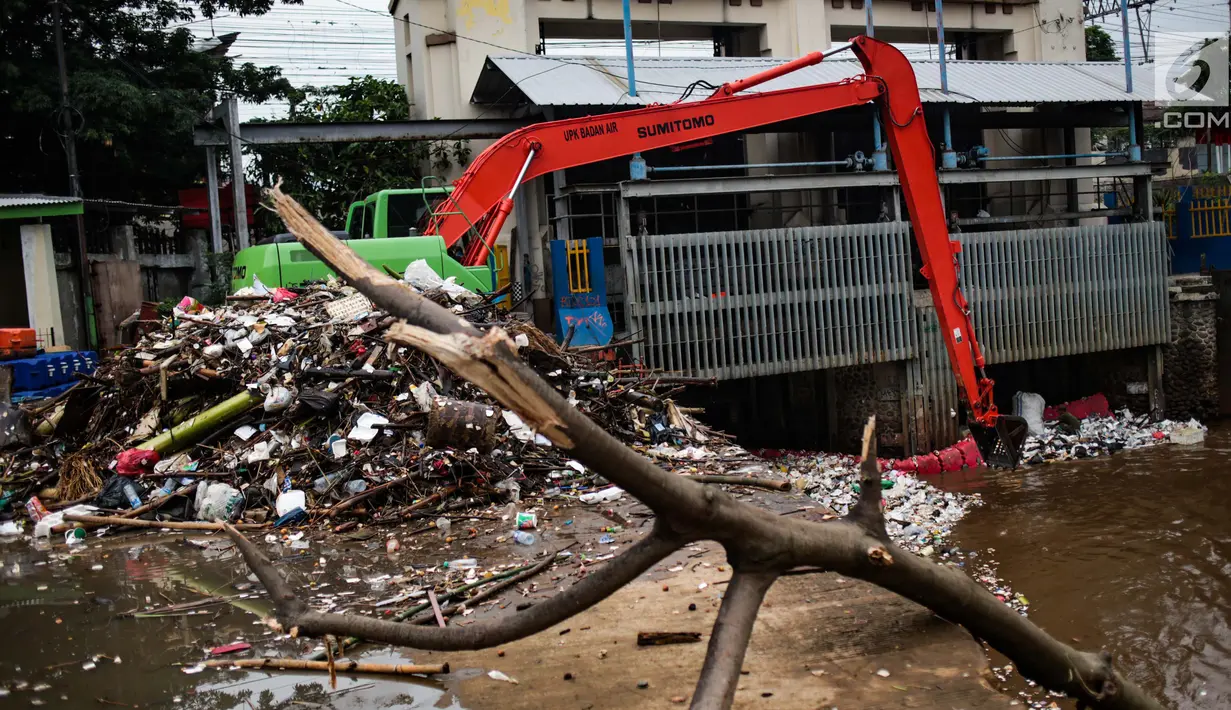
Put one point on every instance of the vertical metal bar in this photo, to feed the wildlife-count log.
(653, 250)
(842, 297)
(902, 276)
(904, 311)
(824, 305)
(719, 331)
(772, 351)
(812, 272)
(672, 282)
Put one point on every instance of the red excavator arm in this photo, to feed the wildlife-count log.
(484, 193)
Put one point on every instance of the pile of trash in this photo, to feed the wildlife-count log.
(286, 406)
(1087, 428)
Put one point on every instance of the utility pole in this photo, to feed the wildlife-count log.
(74, 183)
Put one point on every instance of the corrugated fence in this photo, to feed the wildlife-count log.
(763, 302)
(1038, 293)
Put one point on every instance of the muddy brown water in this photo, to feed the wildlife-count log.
(1130, 553)
(59, 608)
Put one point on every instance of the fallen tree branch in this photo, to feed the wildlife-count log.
(725, 654)
(866, 513)
(759, 544)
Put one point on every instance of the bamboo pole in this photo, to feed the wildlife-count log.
(190, 431)
(129, 522)
(294, 664)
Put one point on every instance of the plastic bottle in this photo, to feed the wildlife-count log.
(168, 487)
(462, 563)
(521, 537)
(356, 486)
(130, 492)
(322, 484)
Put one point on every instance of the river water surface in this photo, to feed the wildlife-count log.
(1130, 553)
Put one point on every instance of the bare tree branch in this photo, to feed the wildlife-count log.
(757, 542)
(867, 510)
(725, 655)
(294, 615)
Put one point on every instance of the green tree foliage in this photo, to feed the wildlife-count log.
(1099, 45)
(327, 177)
(136, 88)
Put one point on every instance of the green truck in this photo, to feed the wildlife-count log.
(383, 229)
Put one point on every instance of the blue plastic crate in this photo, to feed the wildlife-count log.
(50, 369)
(41, 393)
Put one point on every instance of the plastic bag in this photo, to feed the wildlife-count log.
(278, 399)
(1030, 406)
(317, 402)
(136, 462)
(189, 305)
(458, 293)
(217, 501)
(283, 294)
(112, 495)
(421, 276)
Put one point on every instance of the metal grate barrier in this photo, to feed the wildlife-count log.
(1041, 293)
(764, 302)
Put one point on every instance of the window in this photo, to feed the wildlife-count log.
(406, 212)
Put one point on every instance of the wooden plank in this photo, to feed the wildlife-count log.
(117, 289)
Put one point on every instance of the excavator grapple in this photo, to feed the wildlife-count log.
(1001, 443)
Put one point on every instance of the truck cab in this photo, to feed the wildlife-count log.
(383, 229)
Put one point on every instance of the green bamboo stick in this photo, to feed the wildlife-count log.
(193, 429)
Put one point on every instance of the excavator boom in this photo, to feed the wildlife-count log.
(484, 194)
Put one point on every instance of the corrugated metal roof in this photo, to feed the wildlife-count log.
(601, 81)
(35, 200)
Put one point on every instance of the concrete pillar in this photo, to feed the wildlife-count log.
(124, 243)
(198, 246)
(42, 290)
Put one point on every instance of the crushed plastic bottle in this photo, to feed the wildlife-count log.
(462, 563)
(323, 483)
(356, 486)
(444, 525)
(521, 537)
(130, 492)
